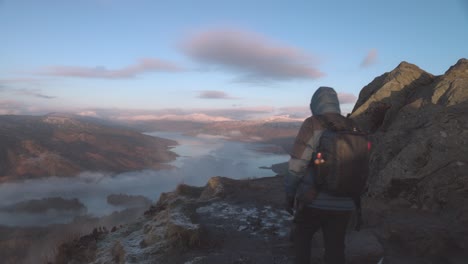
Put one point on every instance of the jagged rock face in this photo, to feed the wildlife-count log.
(380, 101)
(420, 139)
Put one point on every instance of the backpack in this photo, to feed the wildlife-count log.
(341, 161)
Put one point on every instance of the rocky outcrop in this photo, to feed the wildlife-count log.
(380, 100)
(421, 143)
(227, 221)
(419, 128)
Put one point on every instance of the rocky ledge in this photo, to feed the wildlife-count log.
(242, 221)
(227, 221)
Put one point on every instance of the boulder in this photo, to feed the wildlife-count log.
(363, 247)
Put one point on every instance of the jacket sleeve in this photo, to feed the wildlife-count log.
(301, 156)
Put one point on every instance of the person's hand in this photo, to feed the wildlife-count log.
(289, 205)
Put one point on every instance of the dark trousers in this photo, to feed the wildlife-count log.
(333, 224)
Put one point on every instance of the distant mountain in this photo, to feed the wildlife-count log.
(64, 145)
(195, 117)
(251, 130)
(277, 130)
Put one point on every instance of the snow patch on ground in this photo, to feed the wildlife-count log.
(130, 238)
(256, 220)
(180, 219)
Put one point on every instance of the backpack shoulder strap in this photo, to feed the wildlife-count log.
(353, 126)
(327, 124)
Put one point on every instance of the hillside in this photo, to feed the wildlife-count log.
(279, 131)
(62, 145)
(276, 132)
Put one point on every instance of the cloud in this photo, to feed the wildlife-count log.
(16, 107)
(13, 107)
(211, 94)
(10, 83)
(240, 113)
(35, 93)
(11, 86)
(347, 98)
(236, 113)
(370, 59)
(253, 56)
(88, 113)
(196, 117)
(143, 66)
(9, 107)
(295, 111)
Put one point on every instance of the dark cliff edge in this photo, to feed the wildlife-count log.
(416, 209)
(226, 221)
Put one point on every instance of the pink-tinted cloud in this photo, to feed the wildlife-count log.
(241, 113)
(236, 113)
(370, 59)
(253, 56)
(347, 98)
(14, 107)
(295, 111)
(211, 94)
(143, 66)
(11, 84)
(9, 107)
(21, 81)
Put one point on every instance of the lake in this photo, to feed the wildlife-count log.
(201, 158)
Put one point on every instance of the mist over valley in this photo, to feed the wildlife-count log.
(199, 157)
(46, 202)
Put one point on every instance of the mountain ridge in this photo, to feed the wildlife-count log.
(64, 145)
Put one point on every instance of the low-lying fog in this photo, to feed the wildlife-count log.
(200, 158)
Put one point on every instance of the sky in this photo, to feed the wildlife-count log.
(237, 59)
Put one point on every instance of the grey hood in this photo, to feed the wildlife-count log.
(325, 100)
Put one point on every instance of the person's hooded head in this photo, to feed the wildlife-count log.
(325, 100)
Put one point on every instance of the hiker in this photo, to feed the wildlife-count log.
(314, 208)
